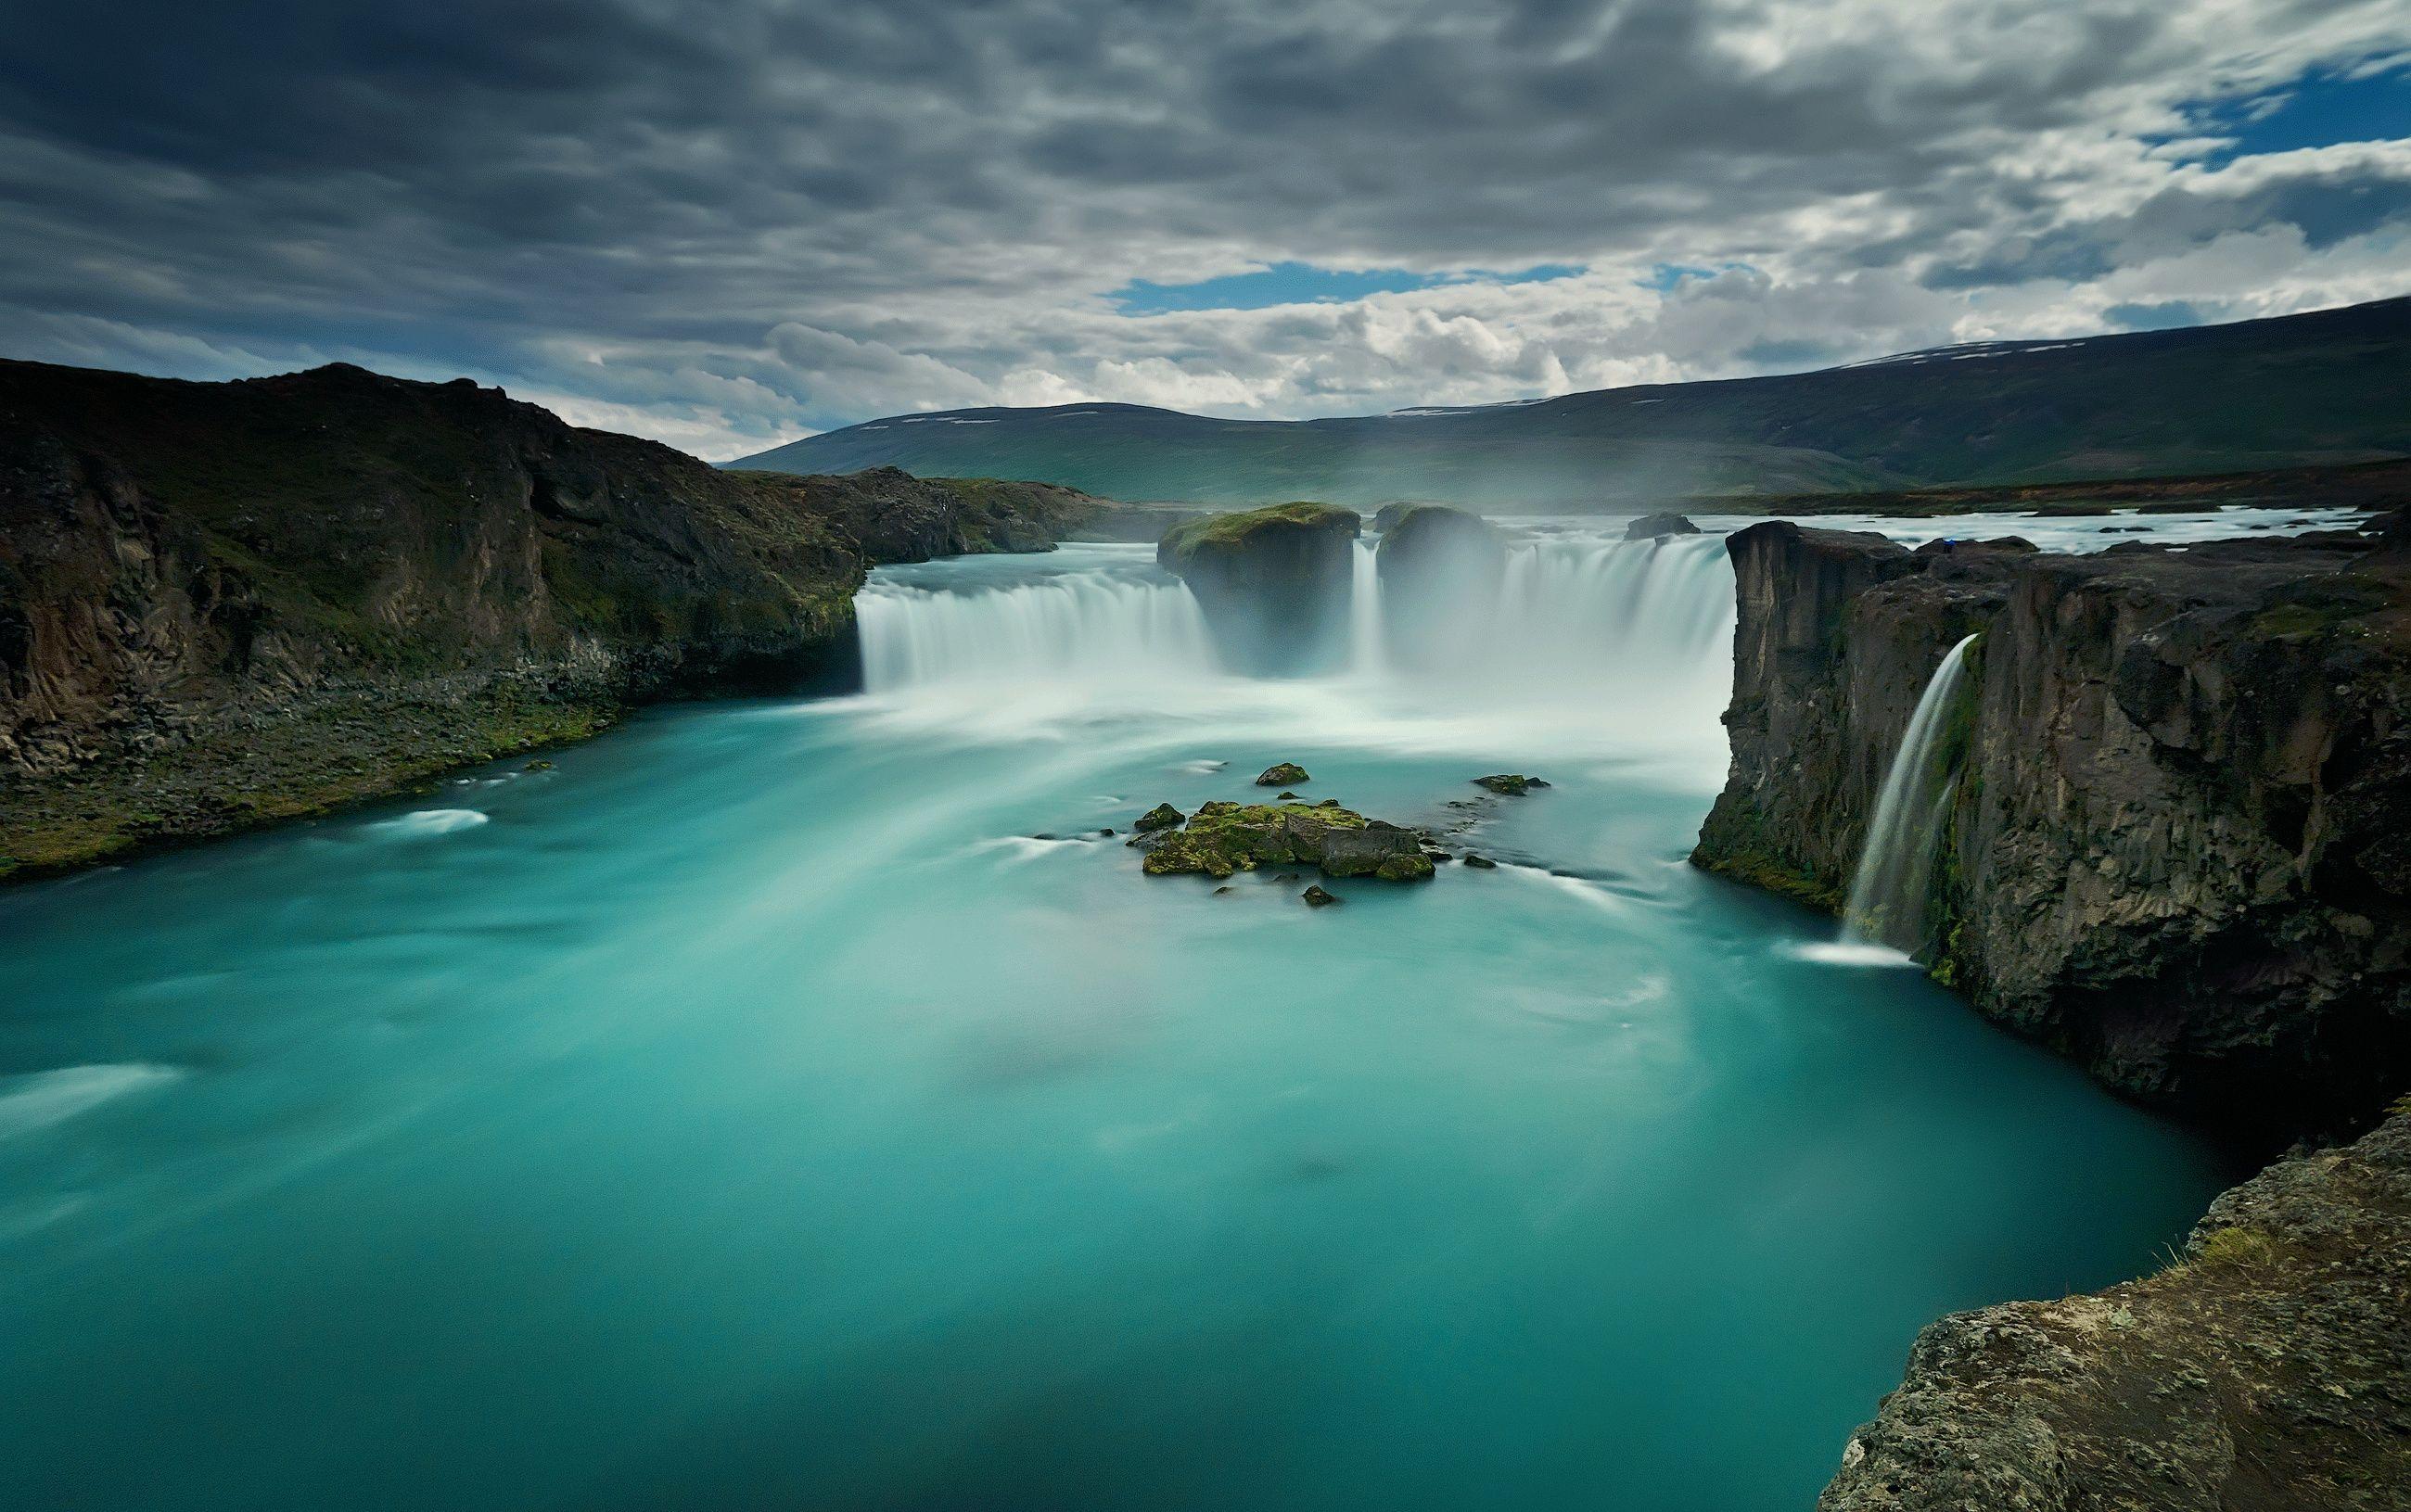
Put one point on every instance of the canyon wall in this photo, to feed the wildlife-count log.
(227, 602)
(2180, 846)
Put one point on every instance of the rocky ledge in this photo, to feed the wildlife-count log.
(1275, 583)
(2269, 1369)
(1223, 838)
(2179, 846)
(221, 604)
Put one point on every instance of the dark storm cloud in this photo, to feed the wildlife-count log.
(715, 221)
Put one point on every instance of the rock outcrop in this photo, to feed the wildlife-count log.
(1275, 584)
(227, 602)
(1224, 838)
(895, 516)
(2180, 846)
(1441, 570)
(1657, 527)
(2267, 1371)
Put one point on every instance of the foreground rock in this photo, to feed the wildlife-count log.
(896, 518)
(221, 604)
(2180, 849)
(1221, 838)
(2271, 1369)
(1441, 570)
(1275, 584)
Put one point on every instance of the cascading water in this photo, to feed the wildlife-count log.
(1366, 651)
(1094, 628)
(1888, 889)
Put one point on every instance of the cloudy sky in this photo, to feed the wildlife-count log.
(729, 224)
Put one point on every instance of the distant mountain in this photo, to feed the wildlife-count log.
(2331, 386)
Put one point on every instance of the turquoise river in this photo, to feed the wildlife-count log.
(799, 1105)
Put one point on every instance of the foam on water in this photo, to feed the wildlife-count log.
(425, 824)
(41, 1098)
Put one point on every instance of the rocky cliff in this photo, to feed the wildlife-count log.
(1275, 583)
(224, 603)
(2178, 847)
(1441, 569)
(2268, 1370)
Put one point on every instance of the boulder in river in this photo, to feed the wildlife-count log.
(1282, 774)
(1659, 526)
(1161, 817)
(1222, 838)
(1317, 899)
(1275, 584)
(1441, 569)
(1513, 784)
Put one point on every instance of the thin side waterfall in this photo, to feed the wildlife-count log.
(1888, 889)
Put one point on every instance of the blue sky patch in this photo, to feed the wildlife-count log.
(1293, 282)
(2318, 109)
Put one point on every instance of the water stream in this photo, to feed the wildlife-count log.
(1888, 905)
(801, 1104)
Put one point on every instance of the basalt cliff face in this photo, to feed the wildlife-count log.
(2179, 848)
(1275, 583)
(227, 602)
(2176, 849)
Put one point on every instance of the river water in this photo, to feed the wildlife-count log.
(795, 1104)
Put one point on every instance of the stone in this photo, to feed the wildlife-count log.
(1275, 583)
(1317, 899)
(1282, 774)
(1658, 527)
(1161, 817)
(1510, 784)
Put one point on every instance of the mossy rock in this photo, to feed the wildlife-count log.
(1222, 838)
(1282, 774)
(1161, 817)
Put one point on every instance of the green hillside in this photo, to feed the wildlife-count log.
(2328, 386)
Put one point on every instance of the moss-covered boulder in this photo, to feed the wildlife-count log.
(1441, 569)
(1161, 817)
(1282, 774)
(1222, 838)
(1276, 583)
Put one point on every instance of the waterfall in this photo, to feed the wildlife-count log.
(1888, 889)
(1365, 648)
(1075, 628)
(1589, 647)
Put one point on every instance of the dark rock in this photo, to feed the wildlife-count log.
(1659, 526)
(2269, 1369)
(1219, 890)
(2176, 853)
(1509, 784)
(1275, 583)
(2179, 506)
(1222, 838)
(1440, 568)
(1161, 817)
(1282, 774)
(537, 766)
(1317, 899)
(1285, 795)
(223, 603)
(1479, 862)
(1107, 833)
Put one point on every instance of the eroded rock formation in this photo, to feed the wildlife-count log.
(2180, 847)
(1275, 584)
